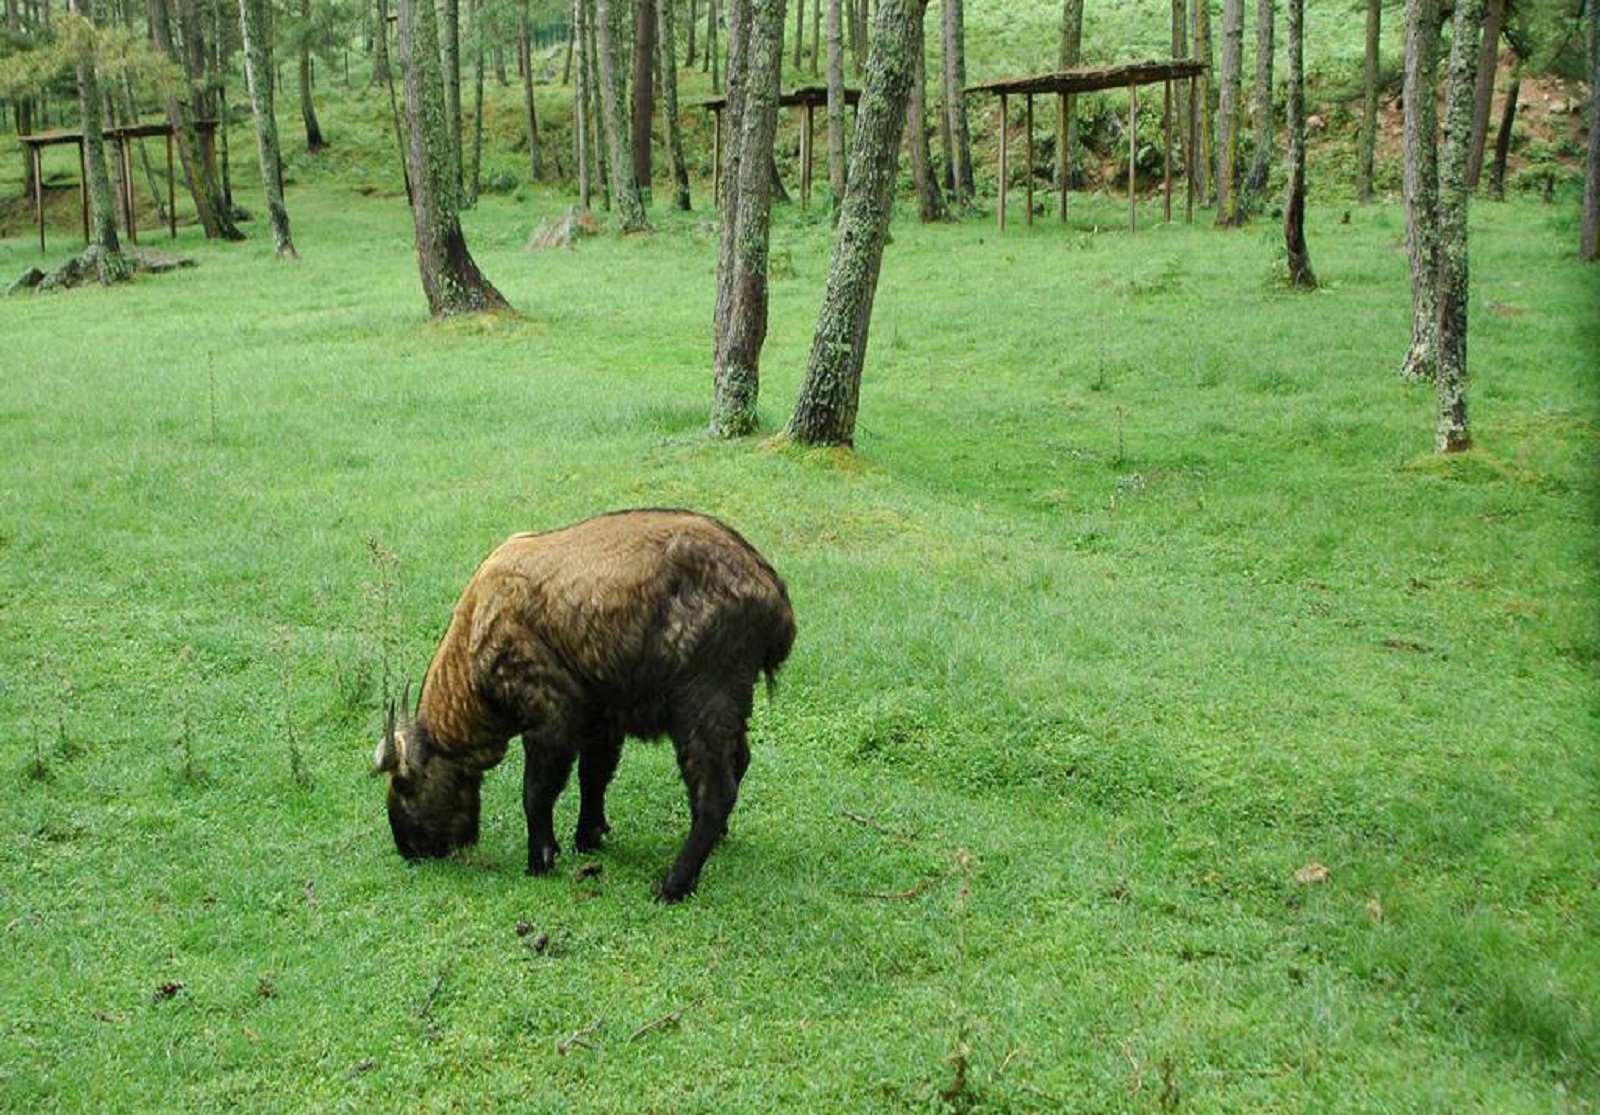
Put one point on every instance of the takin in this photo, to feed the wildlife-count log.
(638, 623)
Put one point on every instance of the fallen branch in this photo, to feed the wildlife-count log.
(579, 1038)
(433, 993)
(671, 1018)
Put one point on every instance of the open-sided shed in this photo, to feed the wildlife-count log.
(1088, 79)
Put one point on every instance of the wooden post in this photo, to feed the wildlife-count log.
(1003, 160)
(1029, 140)
(1133, 152)
(38, 192)
(124, 145)
(716, 156)
(1166, 151)
(805, 154)
(1188, 167)
(172, 189)
(1065, 156)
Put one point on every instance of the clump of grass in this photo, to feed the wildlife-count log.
(283, 644)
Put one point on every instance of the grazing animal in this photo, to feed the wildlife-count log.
(637, 623)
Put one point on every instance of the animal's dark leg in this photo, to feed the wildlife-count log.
(711, 755)
(547, 764)
(597, 763)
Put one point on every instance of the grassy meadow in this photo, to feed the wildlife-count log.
(1169, 729)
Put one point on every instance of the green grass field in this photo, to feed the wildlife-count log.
(1142, 594)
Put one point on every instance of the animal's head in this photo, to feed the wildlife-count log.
(433, 802)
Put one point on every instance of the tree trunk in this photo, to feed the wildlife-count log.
(712, 49)
(1294, 208)
(836, 103)
(755, 62)
(690, 49)
(1229, 212)
(644, 92)
(199, 172)
(1180, 49)
(816, 37)
(1502, 139)
(1421, 168)
(473, 174)
(825, 412)
(451, 47)
(308, 110)
(1206, 157)
(1068, 55)
(104, 247)
(1589, 238)
(258, 81)
(1452, 434)
(580, 103)
(669, 103)
(799, 34)
(1261, 102)
(1369, 102)
(450, 277)
(930, 201)
(529, 113)
(1483, 90)
(380, 46)
(624, 189)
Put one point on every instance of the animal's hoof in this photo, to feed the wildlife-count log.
(589, 837)
(541, 860)
(674, 891)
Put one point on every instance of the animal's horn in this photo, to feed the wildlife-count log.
(405, 703)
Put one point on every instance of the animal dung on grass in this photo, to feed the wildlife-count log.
(640, 623)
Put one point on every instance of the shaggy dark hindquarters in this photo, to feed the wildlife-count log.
(638, 623)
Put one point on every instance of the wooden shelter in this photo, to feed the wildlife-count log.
(1088, 79)
(807, 98)
(122, 139)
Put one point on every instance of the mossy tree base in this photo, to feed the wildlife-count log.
(96, 265)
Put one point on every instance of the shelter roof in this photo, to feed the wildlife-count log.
(810, 95)
(1087, 79)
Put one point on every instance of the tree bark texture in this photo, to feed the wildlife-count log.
(1229, 212)
(954, 61)
(450, 10)
(825, 412)
(619, 156)
(530, 113)
(1502, 139)
(644, 93)
(580, 103)
(257, 41)
(1261, 111)
(930, 200)
(1068, 54)
(669, 103)
(836, 104)
(450, 277)
(1421, 169)
(1369, 102)
(104, 247)
(1294, 208)
(199, 172)
(1452, 434)
(1589, 237)
(473, 173)
(308, 109)
(755, 62)
(380, 46)
(1483, 90)
(1206, 158)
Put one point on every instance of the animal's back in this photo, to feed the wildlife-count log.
(626, 600)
